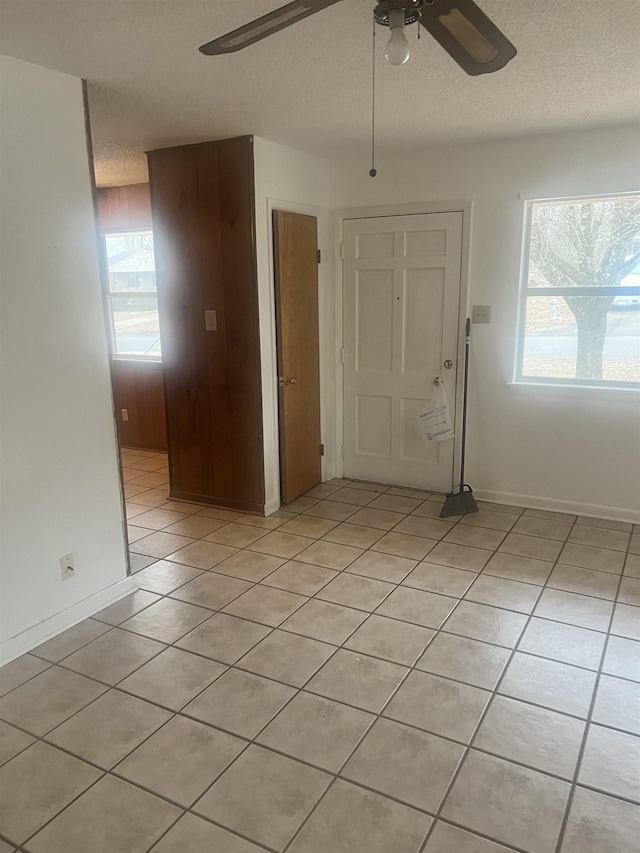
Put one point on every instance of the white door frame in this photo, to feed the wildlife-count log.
(465, 207)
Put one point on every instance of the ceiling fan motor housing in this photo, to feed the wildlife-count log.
(411, 9)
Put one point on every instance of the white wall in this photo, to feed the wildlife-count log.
(286, 179)
(59, 484)
(565, 449)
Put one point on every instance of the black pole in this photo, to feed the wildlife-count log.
(464, 502)
(464, 400)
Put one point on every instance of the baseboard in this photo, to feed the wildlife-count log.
(611, 513)
(222, 503)
(144, 448)
(271, 506)
(23, 642)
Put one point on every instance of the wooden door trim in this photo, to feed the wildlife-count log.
(465, 207)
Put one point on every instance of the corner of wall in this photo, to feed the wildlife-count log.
(61, 489)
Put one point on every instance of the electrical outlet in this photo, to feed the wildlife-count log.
(67, 569)
(482, 313)
(125, 414)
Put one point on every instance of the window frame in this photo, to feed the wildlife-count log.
(524, 292)
(111, 295)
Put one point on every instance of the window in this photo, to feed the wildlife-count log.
(580, 295)
(132, 296)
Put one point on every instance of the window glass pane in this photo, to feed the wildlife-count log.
(131, 262)
(588, 244)
(584, 338)
(585, 243)
(136, 327)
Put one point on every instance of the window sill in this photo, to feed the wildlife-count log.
(612, 392)
(131, 360)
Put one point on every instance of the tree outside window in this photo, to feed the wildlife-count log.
(581, 292)
(132, 296)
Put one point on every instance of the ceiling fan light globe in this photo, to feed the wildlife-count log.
(397, 51)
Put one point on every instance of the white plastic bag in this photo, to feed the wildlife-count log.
(434, 422)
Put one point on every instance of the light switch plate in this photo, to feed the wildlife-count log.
(210, 321)
(481, 313)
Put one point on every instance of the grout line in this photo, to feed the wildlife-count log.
(413, 667)
(477, 728)
(378, 716)
(282, 627)
(578, 767)
(31, 677)
(236, 665)
(472, 832)
(50, 820)
(253, 740)
(109, 771)
(608, 794)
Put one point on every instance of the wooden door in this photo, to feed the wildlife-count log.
(296, 276)
(401, 300)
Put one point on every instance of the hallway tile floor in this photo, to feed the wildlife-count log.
(351, 674)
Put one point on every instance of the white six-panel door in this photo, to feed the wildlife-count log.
(401, 280)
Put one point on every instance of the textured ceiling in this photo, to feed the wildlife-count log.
(309, 86)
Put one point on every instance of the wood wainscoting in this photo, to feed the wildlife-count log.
(138, 390)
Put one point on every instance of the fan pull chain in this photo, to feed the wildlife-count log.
(373, 171)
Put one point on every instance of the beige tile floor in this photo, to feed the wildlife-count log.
(350, 675)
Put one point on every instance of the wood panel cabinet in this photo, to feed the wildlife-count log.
(202, 199)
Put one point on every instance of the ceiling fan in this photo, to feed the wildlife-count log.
(459, 26)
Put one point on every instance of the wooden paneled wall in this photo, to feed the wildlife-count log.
(202, 199)
(124, 207)
(137, 386)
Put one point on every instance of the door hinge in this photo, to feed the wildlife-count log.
(342, 452)
(342, 356)
(322, 450)
(342, 251)
(319, 256)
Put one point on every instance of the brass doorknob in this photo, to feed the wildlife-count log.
(291, 381)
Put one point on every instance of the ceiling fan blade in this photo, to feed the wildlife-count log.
(265, 26)
(468, 35)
